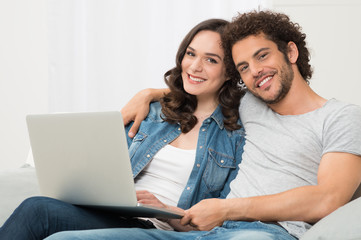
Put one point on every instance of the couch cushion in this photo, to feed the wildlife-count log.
(344, 223)
(15, 186)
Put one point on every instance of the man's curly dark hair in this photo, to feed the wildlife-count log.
(277, 27)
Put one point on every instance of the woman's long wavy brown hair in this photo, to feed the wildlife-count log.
(178, 106)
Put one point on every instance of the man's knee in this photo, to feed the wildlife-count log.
(56, 236)
(252, 234)
(62, 236)
(245, 234)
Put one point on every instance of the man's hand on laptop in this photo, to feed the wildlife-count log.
(136, 110)
(205, 215)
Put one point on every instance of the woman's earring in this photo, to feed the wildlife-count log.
(243, 86)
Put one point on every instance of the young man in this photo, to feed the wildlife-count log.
(301, 159)
(302, 155)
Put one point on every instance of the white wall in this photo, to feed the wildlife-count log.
(102, 52)
(333, 33)
(333, 29)
(91, 31)
(23, 74)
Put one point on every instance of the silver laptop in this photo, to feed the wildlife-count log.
(82, 158)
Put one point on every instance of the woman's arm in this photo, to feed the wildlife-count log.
(138, 107)
(147, 198)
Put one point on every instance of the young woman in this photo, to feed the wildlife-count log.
(187, 149)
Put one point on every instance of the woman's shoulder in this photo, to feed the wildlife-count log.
(237, 134)
(219, 118)
(155, 111)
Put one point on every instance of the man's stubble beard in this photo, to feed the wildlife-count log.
(286, 76)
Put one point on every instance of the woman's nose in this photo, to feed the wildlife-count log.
(196, 65)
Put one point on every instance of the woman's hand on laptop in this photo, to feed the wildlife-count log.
(147, 198)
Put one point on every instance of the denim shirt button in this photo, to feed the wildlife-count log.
(165, 140)
(203, 129)
(198, 165)
(148, 156)
(179, 129)
(200, 147)
(222, 161)
(188, 188)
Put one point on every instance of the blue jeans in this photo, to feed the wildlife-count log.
(39, 217)
(230, 231)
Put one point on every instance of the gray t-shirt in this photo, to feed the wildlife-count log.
(283, 152)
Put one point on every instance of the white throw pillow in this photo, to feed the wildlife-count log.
(342, 224)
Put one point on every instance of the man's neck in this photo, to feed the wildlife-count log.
(300, 99)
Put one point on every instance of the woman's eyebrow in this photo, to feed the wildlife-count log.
(208, 54)
(214, 55)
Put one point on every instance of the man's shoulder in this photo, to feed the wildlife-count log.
(341, 129)
(155, 111)
(334, 103)
(251, 104)
(337, 110)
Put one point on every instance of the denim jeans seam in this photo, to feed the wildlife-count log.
(279, 229)
(211, 232)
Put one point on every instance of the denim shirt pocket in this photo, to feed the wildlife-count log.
(137, 141)
(217, 170)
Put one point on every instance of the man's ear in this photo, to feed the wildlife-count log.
(292, 52)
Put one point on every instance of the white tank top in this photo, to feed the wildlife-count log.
(166, 176)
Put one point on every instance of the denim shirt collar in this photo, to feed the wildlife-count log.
(218, 117)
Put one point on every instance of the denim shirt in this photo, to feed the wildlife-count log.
(218, 153)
